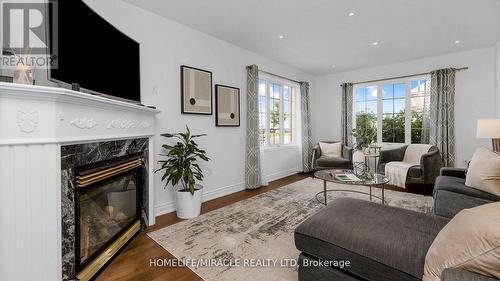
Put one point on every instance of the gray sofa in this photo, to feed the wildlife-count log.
(320, 162)
(420, 176)
(381, 242)
(451, 195)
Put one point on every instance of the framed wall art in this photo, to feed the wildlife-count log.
(196, 91)
(227, 106)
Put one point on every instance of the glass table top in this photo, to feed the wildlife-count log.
(329, 175)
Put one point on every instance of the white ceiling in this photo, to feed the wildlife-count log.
(319, 33)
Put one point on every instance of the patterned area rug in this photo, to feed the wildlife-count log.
(259, 231)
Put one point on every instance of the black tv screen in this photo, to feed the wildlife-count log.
(93, 53)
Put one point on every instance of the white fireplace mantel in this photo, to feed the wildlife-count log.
(36, 115)
(35, 122)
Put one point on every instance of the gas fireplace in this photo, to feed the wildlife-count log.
(108, 206)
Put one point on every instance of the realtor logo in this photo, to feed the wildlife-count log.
(25, 33)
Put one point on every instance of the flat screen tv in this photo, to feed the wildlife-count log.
(93, 53)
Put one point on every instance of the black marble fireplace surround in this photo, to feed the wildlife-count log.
(84, 154)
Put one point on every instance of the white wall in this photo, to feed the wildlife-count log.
(498, 78)
(475, 94)
(165, 45)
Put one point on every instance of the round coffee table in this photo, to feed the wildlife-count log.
(377, 180)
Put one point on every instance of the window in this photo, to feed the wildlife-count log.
(397, 111)
(420, 110)
(366, 111)
(393, 114)
(277, 108)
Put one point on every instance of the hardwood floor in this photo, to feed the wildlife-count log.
(133, 262)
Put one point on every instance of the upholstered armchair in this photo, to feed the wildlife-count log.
(322, 162)
(420, 176)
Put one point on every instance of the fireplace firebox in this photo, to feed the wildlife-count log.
(108, 207)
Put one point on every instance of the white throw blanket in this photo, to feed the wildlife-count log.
(397, 171)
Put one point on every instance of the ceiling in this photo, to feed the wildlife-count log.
(320, 34)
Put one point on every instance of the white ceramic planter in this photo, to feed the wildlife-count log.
(188, 206)
(358, 156)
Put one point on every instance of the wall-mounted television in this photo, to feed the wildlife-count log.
(93, 53)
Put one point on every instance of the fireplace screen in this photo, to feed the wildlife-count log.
(104, 210)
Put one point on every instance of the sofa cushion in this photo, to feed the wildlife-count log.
(382, 242)
(453, 274)
(484, 171)
(457, 185)
(324, 161)
(451, 195)
(447, 203)
(470, 241)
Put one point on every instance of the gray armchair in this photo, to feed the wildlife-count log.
(419, 176)
(320, 162)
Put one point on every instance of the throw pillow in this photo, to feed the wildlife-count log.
(331, 149)
(484, 171)
(470, 241)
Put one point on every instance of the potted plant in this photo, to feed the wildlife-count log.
(181, 169)
(365, 133)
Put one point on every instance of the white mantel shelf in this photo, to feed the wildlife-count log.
(36, 114)
(35, 122)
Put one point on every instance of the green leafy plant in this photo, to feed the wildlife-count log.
(181, 164)
(366, 130)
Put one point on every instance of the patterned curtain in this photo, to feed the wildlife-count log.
(442, 114)
(346, 119)
(252, 155)
(306, 127)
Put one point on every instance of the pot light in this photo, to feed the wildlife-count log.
(375, 43)
(281, 36)
(333, 66)
(351, 14)
(457, 42)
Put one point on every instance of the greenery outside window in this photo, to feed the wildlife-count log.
(277, 112)
(397, 110)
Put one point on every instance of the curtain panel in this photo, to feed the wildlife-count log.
(306, 127)
(442, 114)
(346, 118)
(252, 154)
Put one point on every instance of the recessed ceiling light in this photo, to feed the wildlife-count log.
(375, 43)
(333, 66)
(281, 36)
(457, 42)
(351, 14)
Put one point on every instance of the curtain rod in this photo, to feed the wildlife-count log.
(279, 76)
(401, 77)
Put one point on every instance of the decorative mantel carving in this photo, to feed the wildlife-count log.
(27, 120)
(121, 124)
(83, 123)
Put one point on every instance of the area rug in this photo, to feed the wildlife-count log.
(253, 239)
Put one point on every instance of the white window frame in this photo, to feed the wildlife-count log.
(380, 110)
(294, 90)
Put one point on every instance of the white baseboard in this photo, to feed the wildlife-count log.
(164, 208)
(168, 207)
(281, 174)
(223, 191)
